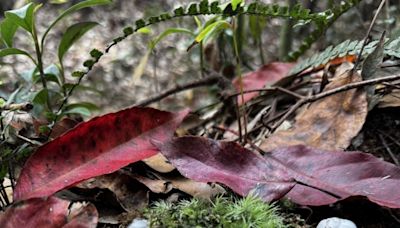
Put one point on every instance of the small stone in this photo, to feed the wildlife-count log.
(139, 223)
(335, 222)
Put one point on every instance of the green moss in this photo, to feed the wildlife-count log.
(222, 212)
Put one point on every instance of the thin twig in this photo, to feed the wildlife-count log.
(32, 142)
(270, 89)
(64, 102)
(395, 160)
(239, 71)
(391, 85)
(258, 149)
(390, 137)
(179, 88)
(366, 39)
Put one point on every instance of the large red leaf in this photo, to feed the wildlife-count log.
(305, 175)
(266, 75)
(99, 146)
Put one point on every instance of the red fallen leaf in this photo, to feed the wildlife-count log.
(99, 146)
(305, 175)
(36, 213)
(51, 212)
(266, 75)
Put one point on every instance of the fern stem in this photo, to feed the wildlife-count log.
(239, 72)
(366, 39)
(286, 34)
(260, 44)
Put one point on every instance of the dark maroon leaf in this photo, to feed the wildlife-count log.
(305, 175)
(99, 146)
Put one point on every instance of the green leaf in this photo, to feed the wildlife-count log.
(198, 21)
(23, 16)
(78, 74)
(96, 54)
(68, 86)
(144, 30)
(2, 102)
(48, 78)
(89, 64)
(58, 1)
(166, 33)
(15, 51)
(128, 31)
(137, 74)
(52, 73)
(235, 4)
(73, 33)
(256, 25)
(7, 31)
(41, 97)
(211, 30)
(72, 9)
(89, 106)
(78, 110)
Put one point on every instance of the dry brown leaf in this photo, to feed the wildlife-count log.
(130, 194)
(82, 215)
(197, 189)
(193, 188)
(390, 100)
(330, 123)
(159, 163)
(155, 185)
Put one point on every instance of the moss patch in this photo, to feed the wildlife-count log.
(222, 212)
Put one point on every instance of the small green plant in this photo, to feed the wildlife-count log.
(43, 89)
(54, 89)
(222, 212)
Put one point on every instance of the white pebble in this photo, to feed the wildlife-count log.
(336, 223)
(139, 223)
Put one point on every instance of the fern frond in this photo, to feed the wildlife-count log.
(214, 8)
(347, 47)
(322, 26)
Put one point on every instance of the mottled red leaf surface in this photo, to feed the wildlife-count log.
(99, 146)
(36, 213)
(305, 175)
(266, 75)
(50, 212)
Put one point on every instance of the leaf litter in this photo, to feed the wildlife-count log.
(330, 123)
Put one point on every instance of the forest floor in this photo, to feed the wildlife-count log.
(171, 65)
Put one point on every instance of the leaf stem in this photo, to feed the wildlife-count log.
(39, 59)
